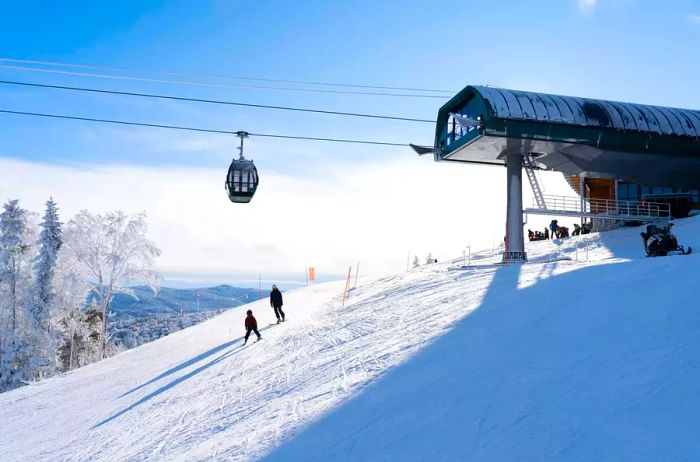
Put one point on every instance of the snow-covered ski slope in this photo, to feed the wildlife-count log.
(567, 360)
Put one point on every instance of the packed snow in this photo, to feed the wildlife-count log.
(588, 352)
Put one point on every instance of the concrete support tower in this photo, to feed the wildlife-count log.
(515, 240)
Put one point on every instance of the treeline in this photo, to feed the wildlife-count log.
(47, 269)
(132, 332)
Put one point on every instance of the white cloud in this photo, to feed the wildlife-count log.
(694, 18)
(587, 7)
(375, 213)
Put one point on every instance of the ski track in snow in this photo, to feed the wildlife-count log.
(199, 394)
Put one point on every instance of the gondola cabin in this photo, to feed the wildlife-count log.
(241, 181)
(242, 178)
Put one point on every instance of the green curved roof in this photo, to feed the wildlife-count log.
(585, 112)
(569, 134)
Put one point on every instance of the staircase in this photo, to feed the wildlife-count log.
(536, 190)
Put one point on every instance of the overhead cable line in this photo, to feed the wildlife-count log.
(197, 129)
(218, 76)
(212, 101)
(213, 84)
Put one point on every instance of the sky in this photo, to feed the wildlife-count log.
(319, 204)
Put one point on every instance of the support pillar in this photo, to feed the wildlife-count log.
(515, 240)
(582, 195)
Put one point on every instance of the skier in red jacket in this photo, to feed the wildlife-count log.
(251, 325)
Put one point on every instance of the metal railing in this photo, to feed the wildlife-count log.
(604, 207)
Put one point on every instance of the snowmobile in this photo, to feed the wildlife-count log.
(659, 241)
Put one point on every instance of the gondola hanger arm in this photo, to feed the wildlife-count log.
(242, 135)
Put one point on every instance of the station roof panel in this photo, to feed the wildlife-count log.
(542, 107)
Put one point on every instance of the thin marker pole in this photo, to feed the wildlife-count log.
(347, 286)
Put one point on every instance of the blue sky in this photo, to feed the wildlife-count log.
(622, 49)
(625, 50)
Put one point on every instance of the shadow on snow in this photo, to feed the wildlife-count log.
(236, 348)
(541, 373)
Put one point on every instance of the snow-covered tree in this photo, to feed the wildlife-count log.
(76, 347)
(15, 259)
(41, 336)
(416, 263)
(81, 344)
(114, 250)
(44, 267)
(429, 259)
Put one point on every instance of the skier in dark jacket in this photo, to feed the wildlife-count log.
(251, 325)
(276, 303)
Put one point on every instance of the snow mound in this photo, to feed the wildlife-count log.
(590, 352)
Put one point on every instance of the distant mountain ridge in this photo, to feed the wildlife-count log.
(176, 301)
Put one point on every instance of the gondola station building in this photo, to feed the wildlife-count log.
(625, 162)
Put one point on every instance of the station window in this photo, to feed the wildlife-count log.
(622, 191)
(694, 193)
(628, 192)
(633, 192)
